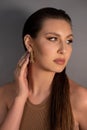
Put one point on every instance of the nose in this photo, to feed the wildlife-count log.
(62, 49)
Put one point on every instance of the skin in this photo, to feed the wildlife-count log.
(54, 41)
(50, 44)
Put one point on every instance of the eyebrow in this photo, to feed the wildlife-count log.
(56, 34)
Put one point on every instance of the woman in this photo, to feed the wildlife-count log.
(42, 97)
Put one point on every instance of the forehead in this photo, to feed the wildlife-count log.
(56, 25)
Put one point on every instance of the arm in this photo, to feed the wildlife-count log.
(13, 118)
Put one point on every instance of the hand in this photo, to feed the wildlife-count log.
(21, 76)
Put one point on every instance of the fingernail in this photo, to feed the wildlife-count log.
(28, 55)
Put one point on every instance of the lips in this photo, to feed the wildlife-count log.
(60, 61)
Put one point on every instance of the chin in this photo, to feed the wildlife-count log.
(60, 70)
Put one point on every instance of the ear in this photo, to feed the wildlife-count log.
(28, 42)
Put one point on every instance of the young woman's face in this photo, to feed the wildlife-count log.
(53, 45)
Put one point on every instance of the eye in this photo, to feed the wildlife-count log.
(52, 38)
(70, 41)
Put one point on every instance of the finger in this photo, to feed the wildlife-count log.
(21, 71)
(20, 66)
(24, 66)
(23, 58)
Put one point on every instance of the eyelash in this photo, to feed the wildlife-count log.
(52, 38)
(69, 41)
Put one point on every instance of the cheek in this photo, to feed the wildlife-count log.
(70, 50)
(42, 51)
(39, 53)
(69, 53)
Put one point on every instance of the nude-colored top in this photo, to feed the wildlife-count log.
(35, 117)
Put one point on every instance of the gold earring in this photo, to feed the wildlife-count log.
(31, 57)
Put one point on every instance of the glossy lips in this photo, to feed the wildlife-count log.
(60, 61)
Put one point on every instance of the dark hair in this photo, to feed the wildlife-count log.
(34, 23)
(60, 112)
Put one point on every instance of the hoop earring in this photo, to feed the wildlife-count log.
(31, 57)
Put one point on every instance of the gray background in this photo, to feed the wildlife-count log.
(13, 14)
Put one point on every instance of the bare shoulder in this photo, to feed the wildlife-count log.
(7, 96)
(7, 93)
(79, 103)
(78, 92)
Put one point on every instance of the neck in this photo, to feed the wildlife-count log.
(40, 80)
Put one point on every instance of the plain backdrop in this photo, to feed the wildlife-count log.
(13, 14)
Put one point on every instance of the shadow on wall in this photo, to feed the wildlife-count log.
(11, 46)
